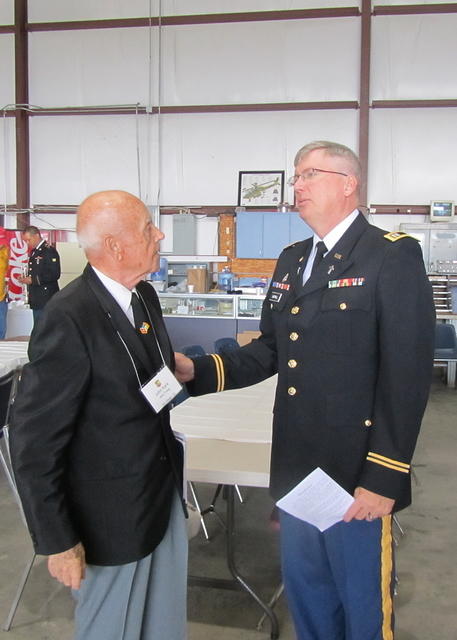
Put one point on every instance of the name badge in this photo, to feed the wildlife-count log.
(275, 296)
(161, 389)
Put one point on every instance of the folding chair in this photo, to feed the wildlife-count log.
(8, 388)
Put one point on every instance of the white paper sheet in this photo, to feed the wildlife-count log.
(317, 499)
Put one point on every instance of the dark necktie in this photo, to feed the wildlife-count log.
(143, 327)
(320, 250)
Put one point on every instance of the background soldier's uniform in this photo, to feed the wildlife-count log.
(353, 348)
(44, 269)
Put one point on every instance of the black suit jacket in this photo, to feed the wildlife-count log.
(354, 353)
(92, 460)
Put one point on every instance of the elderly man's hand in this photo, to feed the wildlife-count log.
(69, 566)
(368, 506)
(184, 368)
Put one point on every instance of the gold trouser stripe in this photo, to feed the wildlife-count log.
(391, 460)
(219, 371)
(386, 578)
(386, 464)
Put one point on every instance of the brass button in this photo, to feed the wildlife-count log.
(291, 391)
(343, 306)
(292, 364)
(294, 336)
(368, 423)
(295, 310)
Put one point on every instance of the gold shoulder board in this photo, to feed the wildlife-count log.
(393, 236)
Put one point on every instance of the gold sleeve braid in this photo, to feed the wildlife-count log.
(220, 373)
(388, 462)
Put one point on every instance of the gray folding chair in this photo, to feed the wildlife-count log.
(8, 387)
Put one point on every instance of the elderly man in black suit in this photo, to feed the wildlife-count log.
(348, 324)
(98, 469)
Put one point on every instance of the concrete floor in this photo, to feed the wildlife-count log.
(426, 605)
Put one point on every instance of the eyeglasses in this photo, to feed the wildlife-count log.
(311, 173)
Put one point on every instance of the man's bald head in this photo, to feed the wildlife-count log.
(115, 230)
(104, 213)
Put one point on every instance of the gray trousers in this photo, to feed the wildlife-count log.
(143, 600)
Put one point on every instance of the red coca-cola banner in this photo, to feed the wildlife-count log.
(19, 257)
(17, 264)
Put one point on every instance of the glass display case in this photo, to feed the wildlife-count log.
(203, 305)
(249, 306)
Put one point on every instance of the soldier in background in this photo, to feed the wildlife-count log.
(43, 271)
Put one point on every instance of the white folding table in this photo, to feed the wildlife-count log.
(228, 441)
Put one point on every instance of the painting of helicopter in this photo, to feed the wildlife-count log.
(260, 188)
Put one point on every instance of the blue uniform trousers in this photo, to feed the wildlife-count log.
(339, 583)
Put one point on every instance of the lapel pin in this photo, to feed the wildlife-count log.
(330, 269)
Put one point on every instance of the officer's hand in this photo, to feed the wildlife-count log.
(368, 506)
(184, 368)
(68, 567)
(25, 279)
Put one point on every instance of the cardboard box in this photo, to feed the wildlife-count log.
(245, 337)
(198, 278)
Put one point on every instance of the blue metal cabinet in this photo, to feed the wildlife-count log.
(249, 234)
(299, 230)
(276, 234)
(264, 234)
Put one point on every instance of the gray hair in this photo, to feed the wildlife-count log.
(333, 149)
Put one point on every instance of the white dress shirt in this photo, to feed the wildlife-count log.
(121, 294)
(329, 240)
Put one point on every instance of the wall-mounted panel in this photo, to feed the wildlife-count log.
(73, 156)
(7, 161)
(412, 155)
(202, 154)
(414, 57)
(7, 12)
(56, 10)
(273, 62)
(94, 67)
(7, 84)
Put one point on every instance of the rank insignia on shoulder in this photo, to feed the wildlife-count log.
(346, 282)
(393, 236)
(280, 285)
(144, 328)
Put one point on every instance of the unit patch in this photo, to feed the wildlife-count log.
(346, 282)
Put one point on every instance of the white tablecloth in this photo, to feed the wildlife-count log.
(228, 435)
(241, 415)
(12, 355)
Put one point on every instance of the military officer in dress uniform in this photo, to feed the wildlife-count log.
(348, 325)
(43, 270)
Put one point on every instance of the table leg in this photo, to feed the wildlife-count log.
(232, 566)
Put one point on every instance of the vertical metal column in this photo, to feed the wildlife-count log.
(22, 116)
(364, 97)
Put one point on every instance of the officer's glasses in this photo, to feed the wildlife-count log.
(311, 173)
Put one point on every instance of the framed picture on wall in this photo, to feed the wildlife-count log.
(260, 188)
